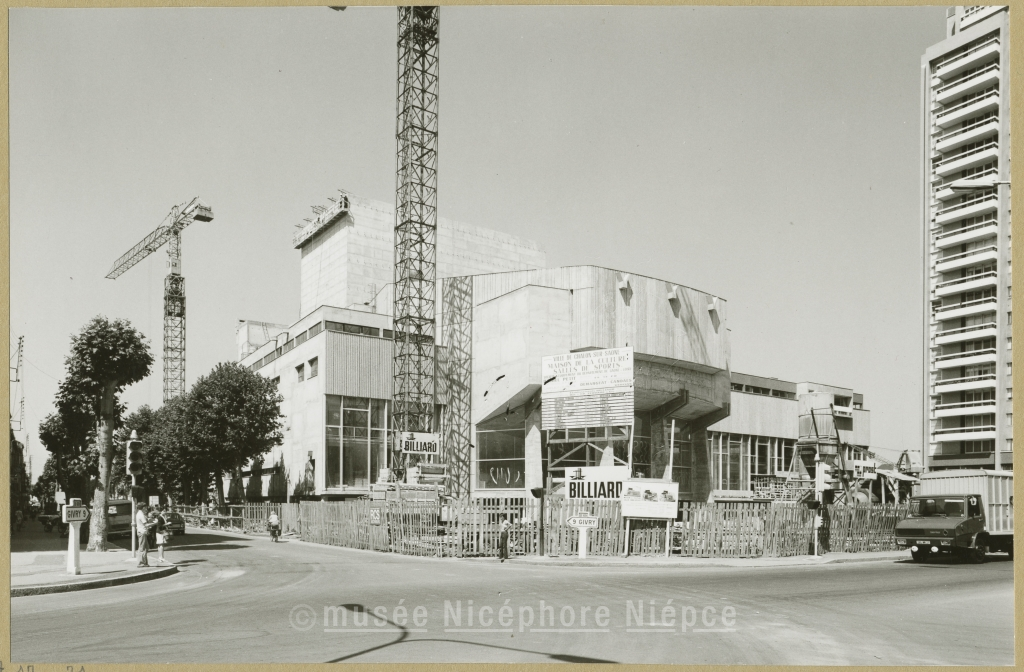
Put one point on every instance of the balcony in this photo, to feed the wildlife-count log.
(962, 136)
(967, 234)
(964, 408)
(969, 358)
(953, 65)
(966, 333)
(967, 284)
(969, 159)
(976, 13)
(976, 81)
(979, 205)
(958, 310)
(969, 258)
(965, 433)
(972, 108)
(944, 192)
(980, 382)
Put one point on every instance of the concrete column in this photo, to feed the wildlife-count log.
(533, 476)
(660, 442)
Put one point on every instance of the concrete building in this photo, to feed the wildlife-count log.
(681, 413)
(500, 438)
(765, 448)
(968, 349)
(333, 364)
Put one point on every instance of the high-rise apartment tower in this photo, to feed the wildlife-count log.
(968, 348)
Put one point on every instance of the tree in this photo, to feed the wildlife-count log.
(232, 417)
(106, 356)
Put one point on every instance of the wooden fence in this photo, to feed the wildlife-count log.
(471, 527)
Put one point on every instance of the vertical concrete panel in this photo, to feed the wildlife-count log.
(534, 477)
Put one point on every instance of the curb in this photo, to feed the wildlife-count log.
(680, 565)
(44, 589)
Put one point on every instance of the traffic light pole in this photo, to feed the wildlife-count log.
(134, 535)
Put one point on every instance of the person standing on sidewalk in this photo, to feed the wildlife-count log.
(142, 531)
(161, 533)
(504, 526)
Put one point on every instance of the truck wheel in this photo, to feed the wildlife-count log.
(977, 554)
(919, 556)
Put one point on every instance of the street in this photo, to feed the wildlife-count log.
(247, 600)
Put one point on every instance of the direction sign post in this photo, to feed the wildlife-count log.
(74, 514)
(583, 524)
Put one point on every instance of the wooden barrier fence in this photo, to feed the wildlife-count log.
(471, 527)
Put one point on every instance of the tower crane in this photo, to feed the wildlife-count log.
(169, 232)
(415, 220)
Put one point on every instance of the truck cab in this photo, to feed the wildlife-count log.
(945, 524)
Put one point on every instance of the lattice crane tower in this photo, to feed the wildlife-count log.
(415, 220)
(174, 286)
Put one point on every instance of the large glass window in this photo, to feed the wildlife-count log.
(737, 458)
(501, 458)
(355, 440)
(682, 458)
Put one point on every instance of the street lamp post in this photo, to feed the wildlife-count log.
(968, 185)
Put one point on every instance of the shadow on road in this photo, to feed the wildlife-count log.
(404, 634)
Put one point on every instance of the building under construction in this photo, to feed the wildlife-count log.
(720, 435)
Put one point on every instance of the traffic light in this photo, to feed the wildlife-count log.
(133, 459)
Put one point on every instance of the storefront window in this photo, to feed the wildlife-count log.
(737, 458)
(355, 442)
(501, 458)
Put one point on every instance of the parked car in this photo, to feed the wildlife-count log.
(175, 523)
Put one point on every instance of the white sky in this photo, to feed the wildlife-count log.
(770, 156)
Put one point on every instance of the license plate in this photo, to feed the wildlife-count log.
(924, 542)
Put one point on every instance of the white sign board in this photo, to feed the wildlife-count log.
(865, 469)
(587, 389)
(59, 497)
(154, 500)
(420, 443)
(650, 498)
(595, 482)
(74, 514)
(582, 521)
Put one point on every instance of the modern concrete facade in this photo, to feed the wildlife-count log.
(968, 349)
(499, 327)
(350, 262)
(756, 451)
(334, 364)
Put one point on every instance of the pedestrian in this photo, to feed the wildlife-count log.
(504, 526)
(161, 533)
(19, 520)
(142, 530)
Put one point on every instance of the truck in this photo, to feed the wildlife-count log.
(964, 512)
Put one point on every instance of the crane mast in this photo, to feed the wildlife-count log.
(174, 286)
(415, 220)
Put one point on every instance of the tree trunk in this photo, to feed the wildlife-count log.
(218, 480)
(105, 451)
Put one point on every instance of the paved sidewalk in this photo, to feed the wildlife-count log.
(37, 566)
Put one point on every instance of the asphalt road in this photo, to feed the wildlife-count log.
(248, 600)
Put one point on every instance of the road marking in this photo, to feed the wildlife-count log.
(649, 630)
(713, 630)
(373, 630)
(478, 629)
(569, 630)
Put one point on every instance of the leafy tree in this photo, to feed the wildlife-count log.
(232, 417)
(106, 356)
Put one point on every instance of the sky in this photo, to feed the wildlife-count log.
(769, 156)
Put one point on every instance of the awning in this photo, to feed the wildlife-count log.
(897, 475)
